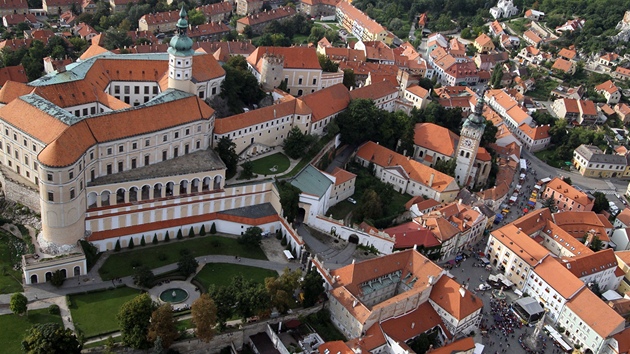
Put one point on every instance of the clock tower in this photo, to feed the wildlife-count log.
(469, 140)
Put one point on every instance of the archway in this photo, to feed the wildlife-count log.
(105, 198)
(77, 271)
(92, 199)
(157, 190)
(34, 279)
(300, 216)
(64, 274)
(146, 192)
(133, 194)
(120, 196)
(205, 186)
(183, 187)
(194, 186)
(48, 276)
(169, 189)
(217, 182)
(353, 239)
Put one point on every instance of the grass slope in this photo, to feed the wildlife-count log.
(14, 328)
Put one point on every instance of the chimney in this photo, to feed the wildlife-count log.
(462, 291)
(431, 180)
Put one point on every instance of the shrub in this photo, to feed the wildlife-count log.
(166, 237)
(54, 309)
(117, 247)
(284, 241)
(142, 241)
(191, 233)
(179, 234)
(131, 245)
(202, 232)
(155, 239)
(57, 278)
(278, 234)
(213, 229)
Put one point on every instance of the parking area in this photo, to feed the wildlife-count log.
(503, 328)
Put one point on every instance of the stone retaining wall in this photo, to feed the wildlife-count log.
(19, 193)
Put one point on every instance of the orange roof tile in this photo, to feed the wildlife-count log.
(623, 256)
(11, 90)
(294, 57)
(559, 278)
(446, 294)
(267, 16)
(607, 86)
(435, 138)
(261, 115)
(536, 133)
(342, 54)
(463, 345)
(13, 73)
(342, 176)
(410, 234)
(327, 102)
(418, 91)
(559, 186)
(216, 9)
(624, 216)
(418, 172)
(335, 347)
(483, 40)
(567, 53)
(562, 65)
(532, 36)
(374, 91)
(596, 314)
(590, 263)
(161, 17)
(362, 68)
(520, 244)
(577, 223)
(357, 15)
(413, 324)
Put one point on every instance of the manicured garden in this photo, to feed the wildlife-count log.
(122, 264)
(10, 279)
(264, 165)
(95, 313)
(341, 209)
(221, 274)
(14, 327)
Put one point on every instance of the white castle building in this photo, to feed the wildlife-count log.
(505, 8)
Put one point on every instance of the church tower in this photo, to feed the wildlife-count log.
(469, 140)
(180, 55)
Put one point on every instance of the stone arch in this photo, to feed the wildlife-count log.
(145, 193)
(105, 198)
(92, 200)
(205, 186)
(353, 239)
(48, 276)
(133, 194)
(183, 186)
(217, 182)
(120, 195)
(34, 279)
(157, 190)
(194, 185)
(64, 273)
(76, 271)
(169, 189)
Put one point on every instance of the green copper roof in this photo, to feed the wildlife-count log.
(180, 44)
(312, 181)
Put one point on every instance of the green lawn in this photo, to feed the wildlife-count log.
(221, 274)
(300, 39)
(278, 160)
(341, 209)
(14, 327)
(543, 89)
(549, 157)
(10, 279)
(95, 313)
(122, 264)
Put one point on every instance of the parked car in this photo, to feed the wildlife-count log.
(352, 200)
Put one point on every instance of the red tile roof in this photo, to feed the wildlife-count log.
(435, 138)
(267, 16)
(342, 176)
(409, 234)
(294, 57)
(446, 293)
(13, 73)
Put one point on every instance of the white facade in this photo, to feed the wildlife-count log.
(505, 8)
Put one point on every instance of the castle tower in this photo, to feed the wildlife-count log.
(180, 55)
(469, 140)
(271, 71)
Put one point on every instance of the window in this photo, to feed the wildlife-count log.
(117, 89)
(214, 90)
(109, 168)
(198, 145)
(300, 81)
(120, 166)
(34, 148)
(176, 135)
(146, 90)
(315, 81)
(136, 90)
(133, 163)
(81, 185)
(201, 94)
(72, 193)
(187, 131)
(109, 151)
(121, 148)
(91, 155)
(26, 160)
(146, 160)
(127, 90)
(164, 155)
(91, 175)
(165, 138)
(134, 146)
(155, 90)
(71, 175)
(25, 142)
(147, 142)
(175, 152)
(51, 197)
(49, 177)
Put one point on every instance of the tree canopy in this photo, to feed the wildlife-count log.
(226, 149)
(187, 264)
(289, 199)
(297, 143)
(251, 237)
(204, 317)
(50, 338)
(313, 288)
(601, 202)
(18, 304)
(163, 326)
(134, 321)
(240, 87)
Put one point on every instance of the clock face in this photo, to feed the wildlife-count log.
(468, 143)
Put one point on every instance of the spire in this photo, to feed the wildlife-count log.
(476, 119)
(182, 23)
(180, 44)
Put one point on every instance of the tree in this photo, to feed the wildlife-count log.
(295, 144)
(142, 241)
(371, 206)
(349, 79)
(240, 87)
(489, 134)
(551, 204)
(167, 238)
(134, 320)
(601, 202)
(466, 33)
(58, 277)
(281, 288)
(204, 317)
(131, 245)
(447, 167)
(213, 229)
(226, 149)
(191, 232)
(359, 122)
(117, 246)
(155, 239)
(163, 326)
(116, 38)
(179, 234)
(251, 237)
(18, 304)
(196, 18)
(327, 64)
(289, 199)
(187, 264)
(568, 181)
(247, 171)
(313, 288)
(497, 75)
(50, 338)
(143, 276)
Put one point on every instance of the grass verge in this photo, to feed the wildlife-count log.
(14, 328)
(221, 274)
(279, 160)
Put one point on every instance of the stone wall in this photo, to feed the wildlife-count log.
(19, 192)
(237, 337)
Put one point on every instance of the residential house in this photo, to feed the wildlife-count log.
(531, 55)
(413, 235)
(488, 61)
(535, 138)
(417, 95)
(567, 54)
(496, 29)
(623, 111)
(12, 7)
(566, 196)
(581, 111)
(13, 73)
(418, 206)
(564, 66)
(599, 268)
(223, 51)
(248, 7)
(51, 65)
(591, 161)
(509, 42)
(571, 25)
(621, 73)
(343, 187)
(298, 67)
(217, 12)
(14, 19)
(376, 52)
(159, 21)
(609, 59)
(623, 260)
(504, 8)
(360, 25)
(56, 7)
(532, 38)
(534, 15)
(84, 31)
(318, 8)
(483, 43)
(383, 93)
(423, 20)
(120, 5)
(212, 31)
(406, 175)
(258, 21)
(610, 91)
(67, 19)
(460, 309)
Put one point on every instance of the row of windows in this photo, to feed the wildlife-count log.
(136, 89)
